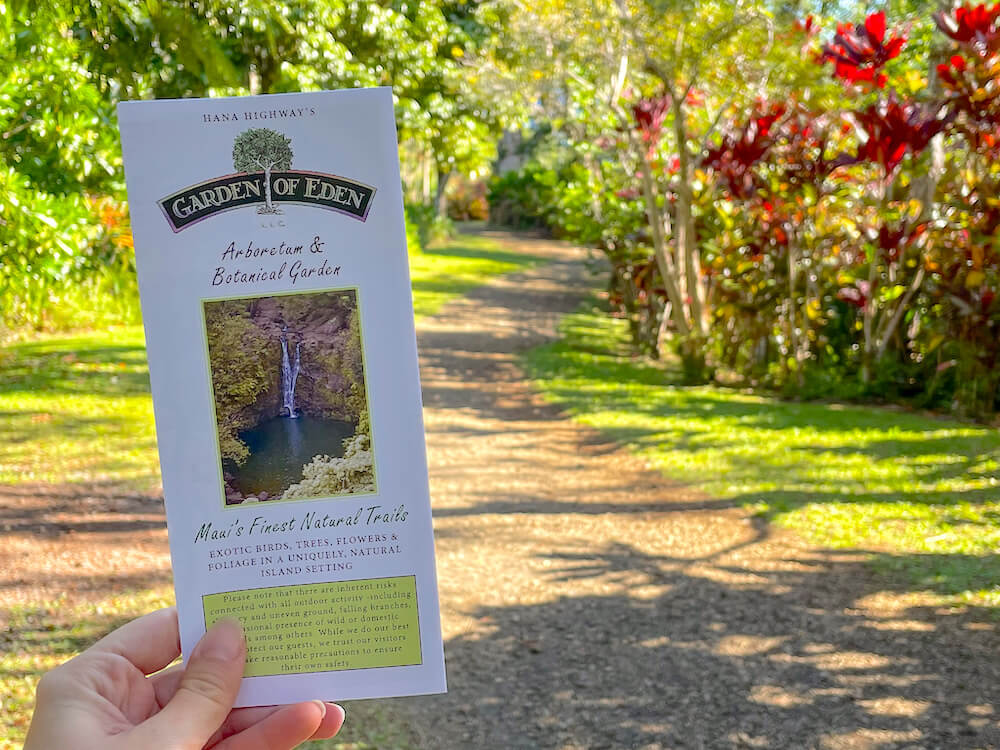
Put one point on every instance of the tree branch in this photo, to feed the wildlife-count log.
(904, 303)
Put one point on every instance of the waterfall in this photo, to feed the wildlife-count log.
(289, 374)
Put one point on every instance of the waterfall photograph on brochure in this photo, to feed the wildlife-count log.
(291, 403)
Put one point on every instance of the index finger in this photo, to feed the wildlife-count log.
(150, 643)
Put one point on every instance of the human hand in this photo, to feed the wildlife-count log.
(104, 700)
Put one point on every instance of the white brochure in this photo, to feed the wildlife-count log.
(271, 253)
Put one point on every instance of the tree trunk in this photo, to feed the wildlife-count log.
(793, 336)
(687, 240)
(694, 360)
(595, 174)
(269, 207)
(440, 199)
(664, 262)
(425, 185)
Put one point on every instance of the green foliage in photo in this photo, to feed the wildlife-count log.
(242, 362)
(327, 476)
(244, 348)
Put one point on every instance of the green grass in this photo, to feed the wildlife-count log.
(446, 271)
(43, 635)
(921, 493)
(76, 408)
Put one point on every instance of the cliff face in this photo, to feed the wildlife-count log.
(330, 378)
(245, 354)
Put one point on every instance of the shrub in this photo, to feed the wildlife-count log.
(430, 227)
(326, 475)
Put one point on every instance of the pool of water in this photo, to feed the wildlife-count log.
(280, 447)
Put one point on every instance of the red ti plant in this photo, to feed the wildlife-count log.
(774, 170)
(801, 168)
(972, 79)
(741, 148)
(859, 53)
(804, 32)
(679, 272)
(887, 130)
(975, 26)
(965, 271)
(809, 27)
(965, 292)
(891, 128)
(650, 115)
(802, 142)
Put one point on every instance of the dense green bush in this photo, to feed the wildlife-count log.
(64, 66)
(524, 199)
(243, 362)
(430, 227)
(467, 200)
(327, 476)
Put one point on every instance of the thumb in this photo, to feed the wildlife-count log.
(206, 692)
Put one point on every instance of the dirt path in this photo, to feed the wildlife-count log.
(589, 603)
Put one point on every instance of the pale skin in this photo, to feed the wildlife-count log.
(113, 696)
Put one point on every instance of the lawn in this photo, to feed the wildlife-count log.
(920, 492)
(76, 409)
(443, 272)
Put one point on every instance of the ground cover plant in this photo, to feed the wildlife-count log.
(921, 493)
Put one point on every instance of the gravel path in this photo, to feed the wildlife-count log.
(589, 603)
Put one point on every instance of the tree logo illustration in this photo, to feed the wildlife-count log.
(264, 180)
(263, 150)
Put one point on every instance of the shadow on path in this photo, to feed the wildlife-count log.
(679, 659)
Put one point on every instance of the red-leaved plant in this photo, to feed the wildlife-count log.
(975, 26)
(860, 52)
(742, 147)
(892, 128)
(650, 115)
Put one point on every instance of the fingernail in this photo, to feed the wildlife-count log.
(337, 709)
(224, 640)
(322, 708)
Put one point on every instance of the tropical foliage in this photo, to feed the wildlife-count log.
(66, 257)
(798, 195)
(327, 476)
(819, 217)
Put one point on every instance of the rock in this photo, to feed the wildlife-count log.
(262, 496)
(251, 499)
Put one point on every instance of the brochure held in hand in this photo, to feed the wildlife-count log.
(271, 254)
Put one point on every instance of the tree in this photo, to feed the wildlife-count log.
(57, 153)
(261, 150)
